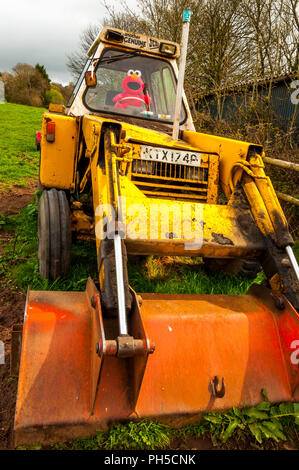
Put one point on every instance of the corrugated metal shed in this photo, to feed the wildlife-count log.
(284, 112)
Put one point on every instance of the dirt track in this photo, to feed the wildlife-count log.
(12, 303)
(13, 200)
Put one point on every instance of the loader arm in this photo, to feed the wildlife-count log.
(242, 166)
(279, 265)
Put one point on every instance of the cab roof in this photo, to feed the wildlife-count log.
(136, 41)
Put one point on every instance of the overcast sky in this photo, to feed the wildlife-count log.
(45, 31)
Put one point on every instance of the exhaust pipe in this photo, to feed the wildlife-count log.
(182, 66)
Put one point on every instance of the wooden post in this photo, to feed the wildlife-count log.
(281, 163)
(287, 198)
(180, 85)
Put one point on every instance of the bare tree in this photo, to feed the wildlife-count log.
(290, 36)
(76, 61)
(123, 19)
(222, 56)
(160, 18)
(230, 41)
(274, 35)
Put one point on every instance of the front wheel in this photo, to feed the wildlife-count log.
(54, 234)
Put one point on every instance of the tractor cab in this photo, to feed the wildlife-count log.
(130, 76)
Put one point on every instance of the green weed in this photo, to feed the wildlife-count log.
(142, 435)
(34, 447)
(264, 422)
(89, 443)
(4, 222)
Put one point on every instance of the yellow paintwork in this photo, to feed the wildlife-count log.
(220, 221)
(81, 222)
(229, 150)
(101, 168)
(265, 206)
(209, 162)
(56, 108)
(222, 236)
(58, 159)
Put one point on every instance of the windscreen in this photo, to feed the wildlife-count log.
(135, 85)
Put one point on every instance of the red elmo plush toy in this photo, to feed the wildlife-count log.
(134, 92)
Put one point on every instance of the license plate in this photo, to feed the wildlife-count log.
(178, 157)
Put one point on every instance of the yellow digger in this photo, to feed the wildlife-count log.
(113, 172)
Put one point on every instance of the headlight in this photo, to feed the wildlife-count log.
(169, 49)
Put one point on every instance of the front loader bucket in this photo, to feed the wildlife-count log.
(67, 388)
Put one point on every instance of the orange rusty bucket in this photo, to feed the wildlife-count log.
(211, 352)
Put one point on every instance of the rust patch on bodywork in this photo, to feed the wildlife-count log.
(219, 238)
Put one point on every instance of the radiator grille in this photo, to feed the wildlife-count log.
(160, 179)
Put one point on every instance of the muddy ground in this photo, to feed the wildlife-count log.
(11, 312)
(12, 303)
(14, 199)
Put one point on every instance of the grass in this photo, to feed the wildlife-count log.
(18, 157)
(183, 276)
(20, 262)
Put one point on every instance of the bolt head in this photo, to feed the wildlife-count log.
(98, 349)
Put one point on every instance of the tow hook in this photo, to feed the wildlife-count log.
(213, 387)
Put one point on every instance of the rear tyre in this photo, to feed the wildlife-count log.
(54, 234)
(239, 267)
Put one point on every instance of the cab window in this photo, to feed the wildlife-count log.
(133, 84)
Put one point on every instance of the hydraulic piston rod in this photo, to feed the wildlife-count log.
(293, 260)
(123, 328)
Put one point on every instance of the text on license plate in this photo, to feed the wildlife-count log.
(179, 157)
